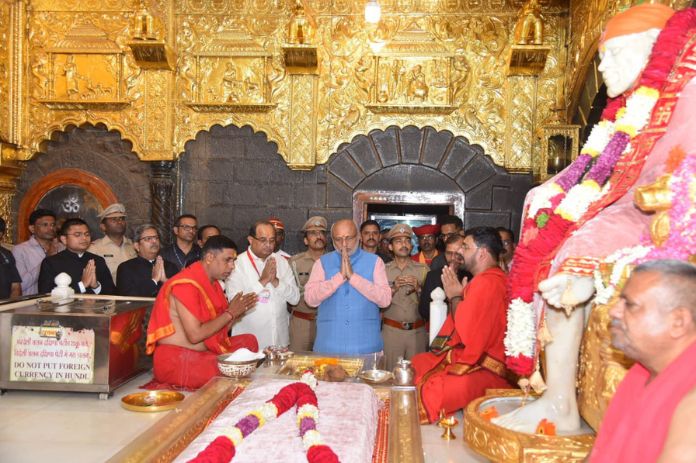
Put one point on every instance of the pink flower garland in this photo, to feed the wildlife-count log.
(223, 448)
(681, 243)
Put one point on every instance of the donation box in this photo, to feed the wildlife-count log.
(85, 345)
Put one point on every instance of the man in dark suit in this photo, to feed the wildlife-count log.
(88, 272)
(145, 274)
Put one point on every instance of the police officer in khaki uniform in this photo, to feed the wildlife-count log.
(114, 247)
(403, 329)
(303, 327)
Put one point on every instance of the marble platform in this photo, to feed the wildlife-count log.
(80, 428)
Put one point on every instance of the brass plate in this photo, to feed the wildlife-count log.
(376, 376)
(152, 401)
(296, 365)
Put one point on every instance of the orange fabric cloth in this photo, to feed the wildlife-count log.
(639, 18)
(422, 259)
(635, 426)
(206, 301)
(450, 381)
(176, 367)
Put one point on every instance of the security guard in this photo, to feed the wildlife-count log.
(114, 247)
(403, 329)
(303, 327)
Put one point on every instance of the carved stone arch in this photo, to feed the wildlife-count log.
(427, 160)
(195, 134)
(89, 154)
(38, 144)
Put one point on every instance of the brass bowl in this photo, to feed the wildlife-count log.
(376, 376)
(237, 369)
(152, 401)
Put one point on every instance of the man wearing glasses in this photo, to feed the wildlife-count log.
(114, 247)
(184, 249)
(303, 327)
(349, 286)
(144, 274)
(29, 254)
(88, 272)
(260, 270)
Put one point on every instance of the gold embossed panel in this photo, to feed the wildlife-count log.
(439, 63)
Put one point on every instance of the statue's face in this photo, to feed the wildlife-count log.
(623, 60)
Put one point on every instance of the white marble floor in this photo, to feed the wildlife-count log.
(78, 427)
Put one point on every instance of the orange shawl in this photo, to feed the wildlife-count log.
(205, 300)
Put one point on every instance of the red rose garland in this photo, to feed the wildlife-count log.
(223, 448)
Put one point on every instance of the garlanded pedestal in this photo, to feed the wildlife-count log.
(507, 446)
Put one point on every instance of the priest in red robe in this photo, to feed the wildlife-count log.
(650, 418)
(467, 357)
(191, 318)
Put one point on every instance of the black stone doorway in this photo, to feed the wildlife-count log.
(232, 176)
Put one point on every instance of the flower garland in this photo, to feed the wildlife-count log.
(301, 394)
(562, 203)
(680, 244)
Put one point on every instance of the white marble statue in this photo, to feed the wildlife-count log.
(623, 59)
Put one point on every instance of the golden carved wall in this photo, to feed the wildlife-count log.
(442, 64)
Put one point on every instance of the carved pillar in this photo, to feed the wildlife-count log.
(302, 150)
(9, 174)
(162, 193)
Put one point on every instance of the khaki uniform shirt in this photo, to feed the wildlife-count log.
(301, 265)
(404, 307)
(112, 254)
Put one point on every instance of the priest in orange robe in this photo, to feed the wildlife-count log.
(467, 357)
(651, 417)
(191, 318)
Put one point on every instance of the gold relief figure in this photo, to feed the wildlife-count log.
(231, 85)
(362, 76)
(39, 72)
(460, 79)
(251, 86)
(72, 86)
(530, 27)
(417, 87)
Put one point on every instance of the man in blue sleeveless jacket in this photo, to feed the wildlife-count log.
(349, 286)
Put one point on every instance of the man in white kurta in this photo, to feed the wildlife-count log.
(267, 274)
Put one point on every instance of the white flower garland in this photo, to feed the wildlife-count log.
(639, 106)
(620, 259)
(521, 332)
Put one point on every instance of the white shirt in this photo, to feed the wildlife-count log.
(268, 321)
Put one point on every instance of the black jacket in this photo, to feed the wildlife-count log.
(72, 264)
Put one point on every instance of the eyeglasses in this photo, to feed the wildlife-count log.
(426, 237)
(265, 241)
(149, 239)
(445, 236)
(188, 227)
(344, 239)
(79, 234)
(116, 219)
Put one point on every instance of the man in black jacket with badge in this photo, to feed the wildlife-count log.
(88, 272)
